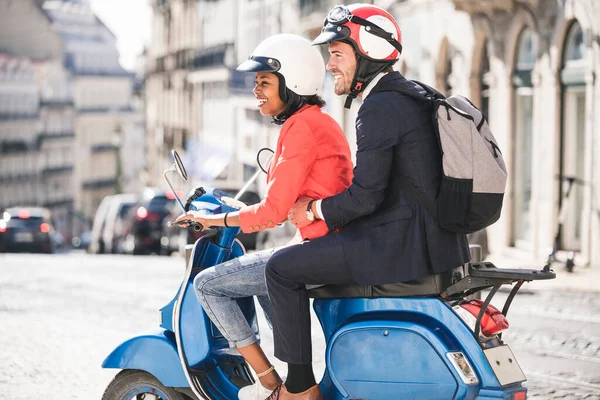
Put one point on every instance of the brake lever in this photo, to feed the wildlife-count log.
(182, 224)
(196, 226)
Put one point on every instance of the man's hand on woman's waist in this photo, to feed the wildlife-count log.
(299, 213)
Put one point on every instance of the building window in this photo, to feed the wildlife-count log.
(523, 139)
(573, 146)
(575, 48)
(167, 28)
(167, 83)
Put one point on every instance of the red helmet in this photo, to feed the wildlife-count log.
(371, 30)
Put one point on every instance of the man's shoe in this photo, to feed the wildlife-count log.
(254, 392)
(281, 393)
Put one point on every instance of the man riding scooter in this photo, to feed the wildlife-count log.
(387, 236)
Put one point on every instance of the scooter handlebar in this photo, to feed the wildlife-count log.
(196, 227)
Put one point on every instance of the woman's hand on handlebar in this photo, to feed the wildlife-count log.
(210, 220)
(193, 216)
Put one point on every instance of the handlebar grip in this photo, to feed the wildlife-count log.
(196, 227)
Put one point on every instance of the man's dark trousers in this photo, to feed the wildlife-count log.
(315, 262)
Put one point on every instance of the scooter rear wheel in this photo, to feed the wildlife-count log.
(135, 384)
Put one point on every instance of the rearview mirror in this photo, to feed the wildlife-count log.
(176, 166)
(179, 165)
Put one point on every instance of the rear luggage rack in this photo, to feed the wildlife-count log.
(486, 275)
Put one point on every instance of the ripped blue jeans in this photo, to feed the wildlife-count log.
(217, 288)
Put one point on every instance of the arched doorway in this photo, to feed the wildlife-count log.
(523, 139)
(485, 77)
(572, 156)
(443, 69)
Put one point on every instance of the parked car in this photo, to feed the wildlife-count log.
(112, 231)
(82, 241)
(97, 241)
(27, 229)
(144, 222)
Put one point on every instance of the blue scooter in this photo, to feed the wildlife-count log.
(414, 340)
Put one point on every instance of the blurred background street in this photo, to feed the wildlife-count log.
(62, 315)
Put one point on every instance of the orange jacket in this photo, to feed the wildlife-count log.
(312, 159)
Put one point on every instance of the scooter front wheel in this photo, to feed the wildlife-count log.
(135, 384)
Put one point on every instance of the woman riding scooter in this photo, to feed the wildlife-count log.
(312, 159)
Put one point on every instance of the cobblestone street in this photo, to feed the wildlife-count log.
(556, 339)
(61, 316)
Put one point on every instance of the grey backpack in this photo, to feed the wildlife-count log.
(474, 174)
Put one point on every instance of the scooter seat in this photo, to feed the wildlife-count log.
(429, 286)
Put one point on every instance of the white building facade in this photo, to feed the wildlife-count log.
(86, 130)
(57, 145)
(102, 95)
(37, 161)
(170, 101)
(20, 126)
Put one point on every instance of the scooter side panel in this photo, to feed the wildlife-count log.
(195, 328)
(431, 313)
(155, 353)
(199, 337)
(389, 360)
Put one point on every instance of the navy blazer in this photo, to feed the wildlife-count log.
(387, 235)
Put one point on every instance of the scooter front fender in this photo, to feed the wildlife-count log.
(155, 353)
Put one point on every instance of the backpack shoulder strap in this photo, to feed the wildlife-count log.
(430, 91)
(429, 94)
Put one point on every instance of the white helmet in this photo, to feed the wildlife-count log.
(293, 57)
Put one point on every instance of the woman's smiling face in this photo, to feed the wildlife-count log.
(266, 92)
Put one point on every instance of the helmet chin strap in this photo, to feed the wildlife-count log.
(293, 103)
(366, 70)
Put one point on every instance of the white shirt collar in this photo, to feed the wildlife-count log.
(372, 84)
